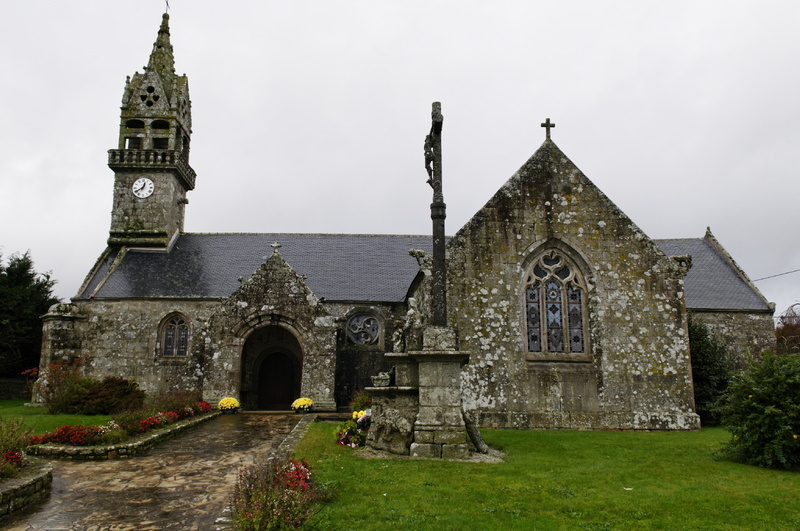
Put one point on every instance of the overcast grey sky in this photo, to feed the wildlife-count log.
(309, 116)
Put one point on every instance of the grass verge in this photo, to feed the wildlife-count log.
(41, 422)
(556, 480)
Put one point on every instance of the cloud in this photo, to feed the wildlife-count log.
(309, 117)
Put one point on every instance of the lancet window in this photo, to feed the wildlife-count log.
(555, 306)
(175, 336)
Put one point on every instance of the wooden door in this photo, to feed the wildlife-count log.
(277, 382)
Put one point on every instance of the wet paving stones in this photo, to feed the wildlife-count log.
(183, 484)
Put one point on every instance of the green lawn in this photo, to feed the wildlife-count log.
(556, 480)
(38, 419)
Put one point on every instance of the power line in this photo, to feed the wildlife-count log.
(778, 275)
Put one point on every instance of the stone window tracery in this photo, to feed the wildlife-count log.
(555, 306)
(175, 336)
(363, 329)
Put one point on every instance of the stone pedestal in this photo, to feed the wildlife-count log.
(439, 429)
(394, 409)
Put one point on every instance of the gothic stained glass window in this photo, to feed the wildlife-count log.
(555, 306)
(175, 337)
(534, 324)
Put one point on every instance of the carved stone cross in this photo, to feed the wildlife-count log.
(547, 125)
(275, 246)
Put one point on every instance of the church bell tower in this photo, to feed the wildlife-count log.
(151, 163)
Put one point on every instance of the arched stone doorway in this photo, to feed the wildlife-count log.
(272, 366)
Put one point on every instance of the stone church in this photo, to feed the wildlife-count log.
(571, 315)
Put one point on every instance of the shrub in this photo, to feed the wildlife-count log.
(349, 434)
(13, 440)
(761, 409)
(128, 421)
(178, 402)
(361, 401)
(169, 417)
(149, 423)
(136, 422)
(710, 371)
(228, 403)
(55, 380)
(82, 395)
(70, 402)
(69, 436)
(110, 396)
(274, 496)
(302, 404)
(111, 433)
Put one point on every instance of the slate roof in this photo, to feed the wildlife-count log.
(713, 283)
(339, 267)
(349, 267)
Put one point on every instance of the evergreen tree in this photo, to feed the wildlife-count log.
(25, 296)
(710, 371)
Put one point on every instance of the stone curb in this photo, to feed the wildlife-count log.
(18, 493)
(283, 451)
(117, 451)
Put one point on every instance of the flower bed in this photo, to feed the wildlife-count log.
(353, 433)
(118, 430)
(275, 495)
(121, 450)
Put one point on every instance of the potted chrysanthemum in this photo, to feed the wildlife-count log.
(302, 405)
(228, 405)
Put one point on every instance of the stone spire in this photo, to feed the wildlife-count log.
(162, 62)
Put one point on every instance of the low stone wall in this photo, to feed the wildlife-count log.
(18, 493)
(117, 451)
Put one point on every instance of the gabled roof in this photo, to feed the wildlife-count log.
(714, 281)
(350, 267)
(340, 267)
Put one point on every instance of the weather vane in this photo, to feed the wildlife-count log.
(167, 1)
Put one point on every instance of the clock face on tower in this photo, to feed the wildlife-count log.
(143, 187)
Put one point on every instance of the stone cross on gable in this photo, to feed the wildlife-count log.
(275, 246)
(547, 125)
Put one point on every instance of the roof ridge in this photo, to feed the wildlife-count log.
(306, 234)
(678, 239)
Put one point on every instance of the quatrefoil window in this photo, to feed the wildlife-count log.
(150, 96)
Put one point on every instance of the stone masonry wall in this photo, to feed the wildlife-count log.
(121, 338)
(636, 373)
(356, 362)
(742, 333)
(159, 216)
(275, 295)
